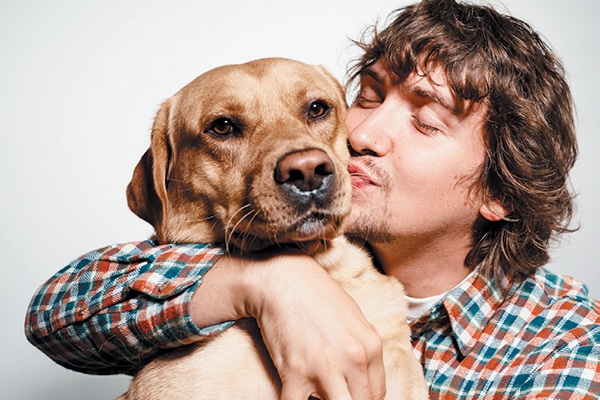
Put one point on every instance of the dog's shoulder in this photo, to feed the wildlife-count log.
(351, 265)
(343, 259)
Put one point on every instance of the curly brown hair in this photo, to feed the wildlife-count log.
(500, 61)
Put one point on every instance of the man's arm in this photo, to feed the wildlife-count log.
(112, 309)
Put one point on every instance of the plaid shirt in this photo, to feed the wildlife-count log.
(112, 309)
(541, 341)
(109, 311)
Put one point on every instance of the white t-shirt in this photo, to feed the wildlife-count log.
(417, 307)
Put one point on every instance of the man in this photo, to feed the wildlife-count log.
(462, 140)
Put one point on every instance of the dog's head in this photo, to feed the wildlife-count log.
(247, 155)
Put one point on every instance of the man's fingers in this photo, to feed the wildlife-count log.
(365, 373)
(376, 372)
(333, 388)
(357, 384)
(358, 375)
(367, 383)
(300, 389)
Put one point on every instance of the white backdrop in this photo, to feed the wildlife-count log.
(80, 82)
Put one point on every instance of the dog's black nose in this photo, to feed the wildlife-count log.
(305, 170)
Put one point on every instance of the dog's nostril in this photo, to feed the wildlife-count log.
(306, 170)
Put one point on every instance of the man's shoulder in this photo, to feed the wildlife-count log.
(562, 291)
(560, 286)
(545, 318)
(558, 304)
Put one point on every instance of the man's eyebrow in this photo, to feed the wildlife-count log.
(416, 90)
(372, 74)
(429, 95)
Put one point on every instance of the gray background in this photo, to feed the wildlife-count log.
(80, 82)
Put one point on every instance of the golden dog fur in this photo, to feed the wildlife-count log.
(252, 156)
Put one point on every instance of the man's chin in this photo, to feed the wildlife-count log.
(363, 226)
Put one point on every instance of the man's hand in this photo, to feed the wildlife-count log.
(317, 337)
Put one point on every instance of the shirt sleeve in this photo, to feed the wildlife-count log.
(110, 310)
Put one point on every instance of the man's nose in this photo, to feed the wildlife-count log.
(369, 132)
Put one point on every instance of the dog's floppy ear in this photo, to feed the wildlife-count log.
(147, 191)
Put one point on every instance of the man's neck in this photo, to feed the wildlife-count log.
(424, 270)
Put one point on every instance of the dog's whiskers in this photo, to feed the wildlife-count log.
(242, 208)
(230, 230)
(246, 236)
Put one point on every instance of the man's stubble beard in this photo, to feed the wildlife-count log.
(368, 221)
(364, 227)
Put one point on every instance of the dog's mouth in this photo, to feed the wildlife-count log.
(316, 226)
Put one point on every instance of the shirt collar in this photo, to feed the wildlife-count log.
(468, 308)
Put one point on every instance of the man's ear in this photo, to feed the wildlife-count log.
(493, 210)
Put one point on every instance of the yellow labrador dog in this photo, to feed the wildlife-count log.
(252, 156)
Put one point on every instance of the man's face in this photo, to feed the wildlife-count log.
(415, 159)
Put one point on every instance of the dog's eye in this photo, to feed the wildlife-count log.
(222, 127)
(318, 109)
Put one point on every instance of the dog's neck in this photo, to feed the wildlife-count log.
(311, 248)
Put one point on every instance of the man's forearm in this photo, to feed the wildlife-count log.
(112, 309)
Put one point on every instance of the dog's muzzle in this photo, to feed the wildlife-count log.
(306, 177)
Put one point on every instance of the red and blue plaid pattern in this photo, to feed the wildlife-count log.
(110, 310)
(114, 308)
(541, 341)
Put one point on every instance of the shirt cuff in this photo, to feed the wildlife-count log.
(163, 316)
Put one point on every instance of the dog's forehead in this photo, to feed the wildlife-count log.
(273, 77)
(286, 70)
